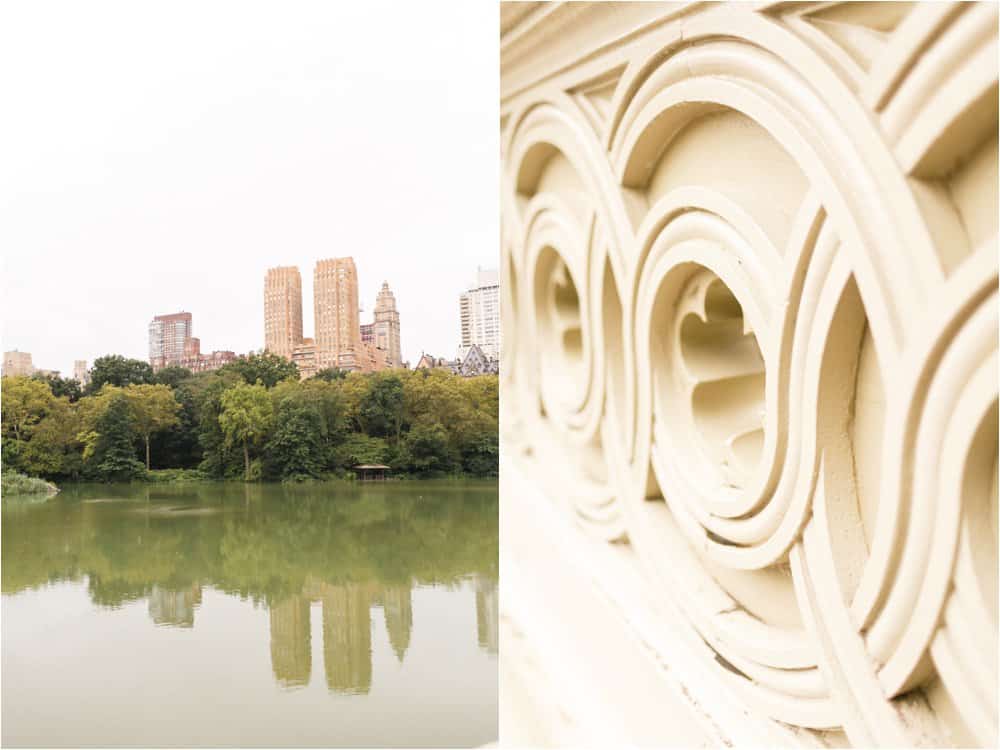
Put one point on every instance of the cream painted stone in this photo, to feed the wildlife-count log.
(750, 320)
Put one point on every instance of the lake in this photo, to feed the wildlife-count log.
(330, 614)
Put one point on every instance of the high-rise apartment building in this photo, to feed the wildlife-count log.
(171, 344)
(80, 373)
(168, 336)
(340, 340)
(479, 309)
(282, 310)
(17, 363)
(335, 303)
(386, 326)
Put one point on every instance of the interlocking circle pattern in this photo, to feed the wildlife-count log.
(750, 310)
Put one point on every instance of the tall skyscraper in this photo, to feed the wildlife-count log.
(479, 309)
(386, 326)
(335, 303)
(168, 335)
(282, 310)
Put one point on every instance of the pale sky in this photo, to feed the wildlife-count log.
(159, 157)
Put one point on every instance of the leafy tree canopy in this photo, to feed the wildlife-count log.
(114, 369)
(172, 375)
(330, 374)
(68, 387)
(276, 427)
(245, 417)
(25, 401)
(266, 368)
(113, 457)
(381, 409)
(152, 408)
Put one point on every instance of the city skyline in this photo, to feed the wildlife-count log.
(378, 332)
(340, 340)
(231, 159)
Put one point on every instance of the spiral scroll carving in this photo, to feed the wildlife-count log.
(750, 312)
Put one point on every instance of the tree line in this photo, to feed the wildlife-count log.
(252, 419)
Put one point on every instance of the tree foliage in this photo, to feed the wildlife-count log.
(68, 387)
(245, 417)
(295, 449)
(253, 418)
(113, 457)
(380, 412)
(114, 369)
(266, 368)
(330, 374)
(25, 402)
(153, 408)
(172, 375)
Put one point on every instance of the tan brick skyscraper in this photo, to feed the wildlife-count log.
(387, 326)
(282, 310)
(335, 303)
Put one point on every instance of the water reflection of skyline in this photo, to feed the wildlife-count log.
(346, 549)
(256, 607)
(346, 627)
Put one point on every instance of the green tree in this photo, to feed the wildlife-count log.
(113, 457)
(295, 449)
(179, 447)
(266, 368)
(481, 453)
(358, 448)
(61, 386)
(215, 453)
(173, 375)
(330, 374)
(54, 449)
(381, 409)
(24, 403)
(114, 369)
(245, 418)
(429, 449)
(153, 408)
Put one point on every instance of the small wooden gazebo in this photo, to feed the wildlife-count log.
(372, 472)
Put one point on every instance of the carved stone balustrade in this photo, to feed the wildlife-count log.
(750, 310)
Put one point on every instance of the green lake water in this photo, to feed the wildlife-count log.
(334, 614)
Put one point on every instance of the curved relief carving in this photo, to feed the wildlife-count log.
(752, 274)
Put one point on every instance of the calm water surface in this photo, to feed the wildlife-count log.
(261, 615)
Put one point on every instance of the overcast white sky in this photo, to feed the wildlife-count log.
(158, 157)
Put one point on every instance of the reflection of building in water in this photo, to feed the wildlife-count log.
(347, 637)
(487, 614)
(291, 649)
(347, 632)
(174, 608)
(397, 605)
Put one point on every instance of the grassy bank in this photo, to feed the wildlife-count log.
(15, 483)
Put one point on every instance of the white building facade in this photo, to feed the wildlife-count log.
(480, 314)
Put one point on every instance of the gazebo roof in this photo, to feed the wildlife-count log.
(372, 466)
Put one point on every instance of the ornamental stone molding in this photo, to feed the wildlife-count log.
(750, 310)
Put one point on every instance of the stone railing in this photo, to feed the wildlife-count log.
(750, 329)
